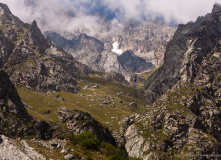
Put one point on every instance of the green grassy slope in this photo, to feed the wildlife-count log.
(88, 100)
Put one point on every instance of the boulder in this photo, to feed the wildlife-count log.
(69, 157)
(78, 122)
(133, 104)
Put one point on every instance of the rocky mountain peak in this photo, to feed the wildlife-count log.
(34, 37)
(86, 42)
(83, 36)
(216, 7)
(4, 9)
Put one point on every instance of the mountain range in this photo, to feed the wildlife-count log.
(67, 98)
(146, 42)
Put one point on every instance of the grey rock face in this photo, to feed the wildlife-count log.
(78, 122)
(167, 75)
(14, 118)
(186, 118)
(183, 119)
(34, 37)
(132, 63)
(85, 49)
(216, 8)
(190, 45)
(32, 61)
(109, 62)
(11, 101)
(209, 72)
(6, 48)
(147, 41)
(135, 79)
(11, 106)
(11, 25)
(43, 75)
(9, 150)
(116, 77)
(4, 9)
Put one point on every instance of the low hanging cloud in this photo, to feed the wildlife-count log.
(180, 11)
(58, 15)
(71, 15)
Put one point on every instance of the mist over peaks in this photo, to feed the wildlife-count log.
(96, 17)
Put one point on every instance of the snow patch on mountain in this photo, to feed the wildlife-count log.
(116, 49)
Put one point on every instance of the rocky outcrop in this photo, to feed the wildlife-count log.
(15, 120)
(190, 40)
(184, 121)
(33, 37)
(115, 77)
(6, 48)
(216, 8)
(10, 150)
(209, 73)
(10, 30)
(78, 122)
(133, 64)
(11, 25)
(126, 63)
(109, 62)
(13, 115)
(32, 61)
(43, 75)
(87, 50)
(135, 79)
(10, 97)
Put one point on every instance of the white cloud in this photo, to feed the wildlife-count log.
(181, 11)
(52, 14)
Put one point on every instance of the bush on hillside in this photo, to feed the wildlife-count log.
(87, 141)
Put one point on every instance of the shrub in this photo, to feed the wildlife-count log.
(108, 149)
(116, 157)
(113, 152)
(87, 141)
(89, 156)
(77, 155)
(73, 139)
(134, 158)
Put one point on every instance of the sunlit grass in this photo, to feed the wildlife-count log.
(87, 100)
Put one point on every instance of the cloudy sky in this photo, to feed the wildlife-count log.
(52, 14)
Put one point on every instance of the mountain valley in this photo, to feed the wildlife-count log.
(139, 94)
